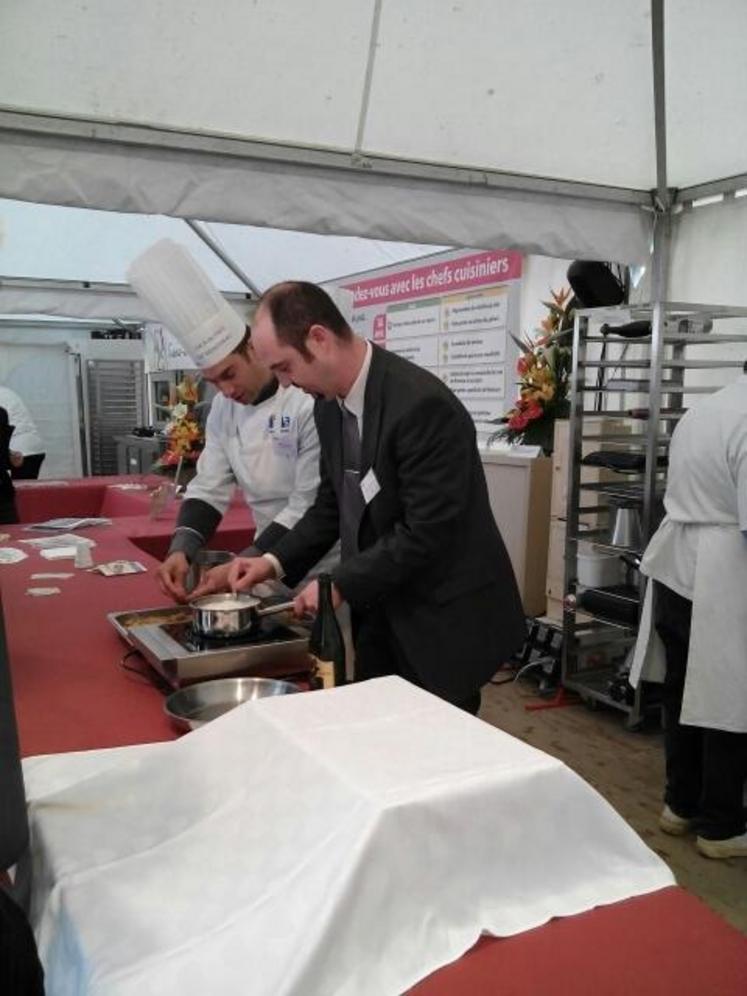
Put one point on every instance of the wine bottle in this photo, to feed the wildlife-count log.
(326, 646)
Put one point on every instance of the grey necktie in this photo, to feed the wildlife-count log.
(352, 500)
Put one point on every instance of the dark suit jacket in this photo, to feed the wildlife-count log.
(431, 557)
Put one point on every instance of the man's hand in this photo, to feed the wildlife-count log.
(216, 579)
(172, 575)
(307, 603)
(245, 572)
(16, 458)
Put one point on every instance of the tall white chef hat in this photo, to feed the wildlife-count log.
(181, 295)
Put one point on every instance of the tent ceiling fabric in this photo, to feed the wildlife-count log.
(707, 90)
(329, 201)
(536, 89)
(515, 87)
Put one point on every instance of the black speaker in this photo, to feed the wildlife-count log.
(594, 284)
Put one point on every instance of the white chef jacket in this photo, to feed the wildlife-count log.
(25, 438)
(700, 552)
(271, 450)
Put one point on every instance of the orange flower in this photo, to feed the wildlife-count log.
(187, 390)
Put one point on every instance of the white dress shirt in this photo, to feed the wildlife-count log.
(355, 398)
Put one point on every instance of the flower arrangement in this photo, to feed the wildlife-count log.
(544, 368)
(185, 439)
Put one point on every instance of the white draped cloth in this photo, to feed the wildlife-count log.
(348, 841)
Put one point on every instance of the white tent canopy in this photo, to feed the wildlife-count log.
(474, 123)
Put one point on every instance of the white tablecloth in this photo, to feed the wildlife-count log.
(340, 842)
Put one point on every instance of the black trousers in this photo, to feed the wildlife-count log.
(706, 769)
(378, 653)
(8, 511)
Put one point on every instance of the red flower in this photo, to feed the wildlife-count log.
(533, 411)
(518, 421)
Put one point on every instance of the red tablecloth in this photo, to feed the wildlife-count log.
(70, 691)
(235, 531)
(71, 694)
(664, 944)
(117, 501)
(40, 500)
(101, 496)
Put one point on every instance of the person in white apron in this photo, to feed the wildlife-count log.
(258, 435)
(693, 634)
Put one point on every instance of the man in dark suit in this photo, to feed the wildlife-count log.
(424, 569)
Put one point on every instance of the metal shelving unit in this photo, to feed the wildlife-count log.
(658, 367)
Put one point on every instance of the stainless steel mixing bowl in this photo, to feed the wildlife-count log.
(196, 705)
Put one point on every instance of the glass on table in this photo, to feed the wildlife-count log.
(203, 562)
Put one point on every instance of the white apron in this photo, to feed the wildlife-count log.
(715, 694)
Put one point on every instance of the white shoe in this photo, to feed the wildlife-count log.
(673, 824)
(732, 847)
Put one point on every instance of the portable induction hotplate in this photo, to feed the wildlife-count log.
(167, 641)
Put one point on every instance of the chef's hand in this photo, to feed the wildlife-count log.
(307, 603)
(216, 579)
(16, 458)
(245, 572)
(172, 575)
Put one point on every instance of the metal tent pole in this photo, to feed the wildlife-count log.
(660, 261)
(210, 242)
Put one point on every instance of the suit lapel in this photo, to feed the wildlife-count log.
(373, 408)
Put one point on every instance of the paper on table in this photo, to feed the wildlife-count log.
(328, 827)
(71, 522)
(51, 576)
(43, 591)
(63, 539)
(115, 567)
(10, 555)
(59, 553)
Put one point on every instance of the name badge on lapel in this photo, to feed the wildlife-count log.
(370, 487)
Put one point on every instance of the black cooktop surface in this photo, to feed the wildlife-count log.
(264, 632)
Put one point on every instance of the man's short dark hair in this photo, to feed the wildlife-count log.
(244, 344)
(744, 367)
(296, 305)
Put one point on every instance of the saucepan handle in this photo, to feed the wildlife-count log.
(271, 610)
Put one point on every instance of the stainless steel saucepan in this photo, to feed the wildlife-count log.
(228, 615)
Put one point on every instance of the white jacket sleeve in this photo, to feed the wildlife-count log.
(307, 471)
(215, 481)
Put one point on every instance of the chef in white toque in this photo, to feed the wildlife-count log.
(258, 435)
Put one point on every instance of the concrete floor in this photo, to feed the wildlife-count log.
(628, 770)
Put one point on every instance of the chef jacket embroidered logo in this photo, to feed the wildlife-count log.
(281, 429)
(280, 423)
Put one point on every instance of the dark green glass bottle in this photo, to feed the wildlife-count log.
(326, 646)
